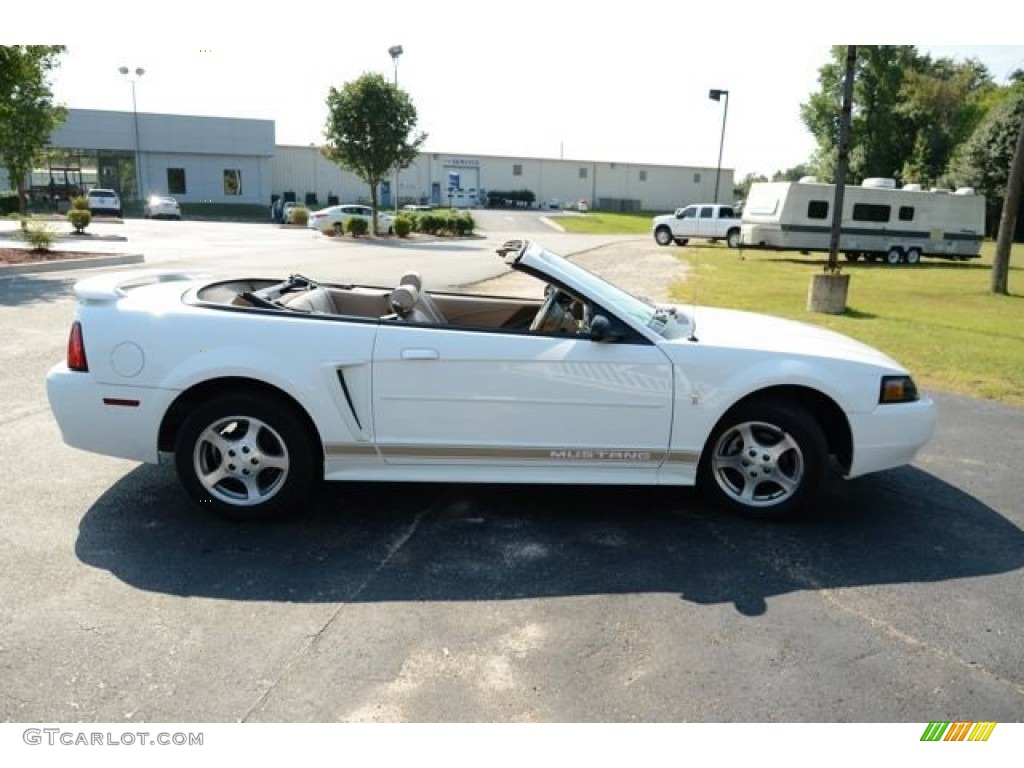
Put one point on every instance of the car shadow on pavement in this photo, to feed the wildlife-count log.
(18, 290)
(409, 542)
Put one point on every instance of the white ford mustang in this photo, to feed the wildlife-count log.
(258, 389)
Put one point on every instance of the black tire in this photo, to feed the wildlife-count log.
(732, 238)
(663, 236)
(894, 256)
(246, 457)
(912, 256)
(339, 228)
(764, 460)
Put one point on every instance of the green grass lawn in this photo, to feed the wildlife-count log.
(938, 318)
(601, 223)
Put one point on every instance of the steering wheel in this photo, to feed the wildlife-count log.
(546, 314)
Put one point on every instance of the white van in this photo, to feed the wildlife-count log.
(879, 221)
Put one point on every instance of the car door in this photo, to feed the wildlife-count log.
(565, 403)
(706, 221)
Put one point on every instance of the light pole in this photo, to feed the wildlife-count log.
(139, 72)
(716, 94)
(395, 51)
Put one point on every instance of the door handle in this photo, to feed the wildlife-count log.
(420, 354)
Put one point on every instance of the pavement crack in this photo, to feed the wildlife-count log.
(312, 640)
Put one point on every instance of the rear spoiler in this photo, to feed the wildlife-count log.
(113, 286)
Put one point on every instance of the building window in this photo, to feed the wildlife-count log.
(870, 212)
(176, 181)
(817, 209)
(583, 173)
(517, 169)
(232, 182)
(696, 178)
(906, 213)
(643, 175)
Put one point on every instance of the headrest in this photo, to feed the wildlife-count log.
(404, 298)
(412, 278)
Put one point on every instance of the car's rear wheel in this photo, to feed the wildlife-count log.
(663, 236)
(732, 239)
(246, 457)
(765, 459)
(339, 228)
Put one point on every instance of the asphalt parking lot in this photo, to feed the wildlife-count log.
(900, 601)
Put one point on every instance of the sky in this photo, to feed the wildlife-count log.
(527, 78)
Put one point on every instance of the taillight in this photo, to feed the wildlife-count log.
(76, 349)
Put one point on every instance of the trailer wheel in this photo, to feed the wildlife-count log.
(913, 256)
(894, 256)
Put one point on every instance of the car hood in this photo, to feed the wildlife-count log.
(737, 330)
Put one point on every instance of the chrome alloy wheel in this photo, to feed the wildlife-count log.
(758, 464)
(240, 460)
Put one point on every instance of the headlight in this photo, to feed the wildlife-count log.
(897, 389)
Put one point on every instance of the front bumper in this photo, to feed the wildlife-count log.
(891, 435)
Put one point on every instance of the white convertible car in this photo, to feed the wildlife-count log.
(259, 388)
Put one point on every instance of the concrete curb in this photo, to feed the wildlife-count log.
(67, 265)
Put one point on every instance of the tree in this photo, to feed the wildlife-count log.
(943, 102)
(881, 139)
(1008, 220)
(369, 131)
(912, 112)
(27, 113)
(984, 160)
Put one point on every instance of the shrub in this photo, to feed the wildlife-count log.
(78, 217)
(356, 226)
(429, 223)
(80, 203)
(403, 226)
(298, 215)
(37, 234)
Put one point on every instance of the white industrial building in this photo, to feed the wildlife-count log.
(233, 160)
(309, 176)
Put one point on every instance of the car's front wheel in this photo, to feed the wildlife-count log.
(246, 457)
(663, 236)
(765, 459)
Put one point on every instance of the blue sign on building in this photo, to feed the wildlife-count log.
(453, 181)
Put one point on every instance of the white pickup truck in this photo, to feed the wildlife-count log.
(707, 222)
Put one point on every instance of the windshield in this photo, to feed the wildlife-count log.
(662, 320)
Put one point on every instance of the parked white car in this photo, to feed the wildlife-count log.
(257, 389)
(335, 217)
(104, 201)
(161, 207)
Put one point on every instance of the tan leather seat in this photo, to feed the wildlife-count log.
(424, 303)
(317, 301)
(405, 302)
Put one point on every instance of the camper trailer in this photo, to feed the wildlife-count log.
(879, 221)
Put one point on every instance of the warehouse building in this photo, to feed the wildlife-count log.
(233, 160)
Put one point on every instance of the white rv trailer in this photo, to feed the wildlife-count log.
(879, 221)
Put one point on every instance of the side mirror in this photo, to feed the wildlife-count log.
(601, 329)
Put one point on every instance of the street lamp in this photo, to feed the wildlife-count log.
(395, 51)
(139, 72)
(716, 94)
